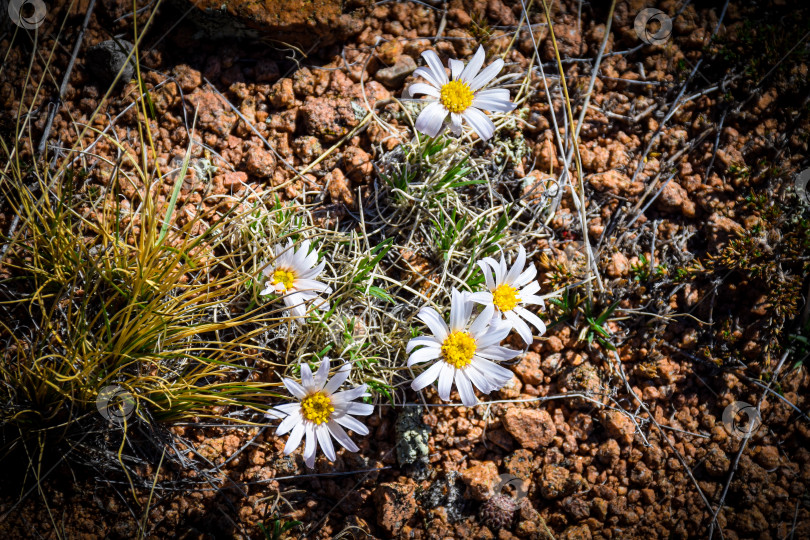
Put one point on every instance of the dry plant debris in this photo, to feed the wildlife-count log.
(200, 205)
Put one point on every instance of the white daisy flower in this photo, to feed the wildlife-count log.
(509, 290)
(292, 274)
(320, 412)
(461, 96)
(465, 352)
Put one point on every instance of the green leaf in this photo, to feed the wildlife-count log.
(382, 294)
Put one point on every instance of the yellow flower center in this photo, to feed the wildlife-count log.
(456, 96)
(458, 349)
(285, 277)
(505, 297)
(317, 408)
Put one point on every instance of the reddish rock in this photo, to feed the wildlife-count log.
(328, 118)
(576, 532)
(511, 390)
(619, 266)
(608, 452)
(717, 462)
(721, 229)
(281, 94)
(577, 507)
(528, 369)
(599, 508)
(357, 163)
(554, 481)
(674, 198)
(259, 161)
(283, 121)
(307, 148)
(767, 456)
(231, 181)
(586, 380)
(300, 22)
(395, 504)
(393, 76)
(618, 426)
(531, 428)
(520, 463)
(481, 480)
(614, 182)
(213, 113)
(501, 438)
(338, 188)
(187, 78)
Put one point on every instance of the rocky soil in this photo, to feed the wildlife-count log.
(641, 449)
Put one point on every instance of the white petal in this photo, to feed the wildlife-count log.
(436, 67)
(531, 318)
(307, 380)
(311, 445)
(517, 268)
(479, 122)
(433, 320)
(465, 389)
(322, 374)
(497, 94)
(297, 308)
(521, 327)
(283, 410)
(268, 289)
(483, 297)
(352, 423)
(288, 423)
(295, 439)
(431, 118)
(474, 66)
(493, 105)
(496, 334)
(425, 341)
(341, 436)
(456, 67)
(427, 74)
(427, 377)
(425, 354)
(349, 395)
(486, 269)
(530, 288)
(360, 409)
(294, 388)
(495, 374)
(322, 431)
(496, 352)
(457, 309)
(423, 88)
(479, 379)
(455, 123)
(489, 73)
(446, 376)
(310, 285)
(531, 300)
(310, 273)
(339, 378)
(479, 326)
